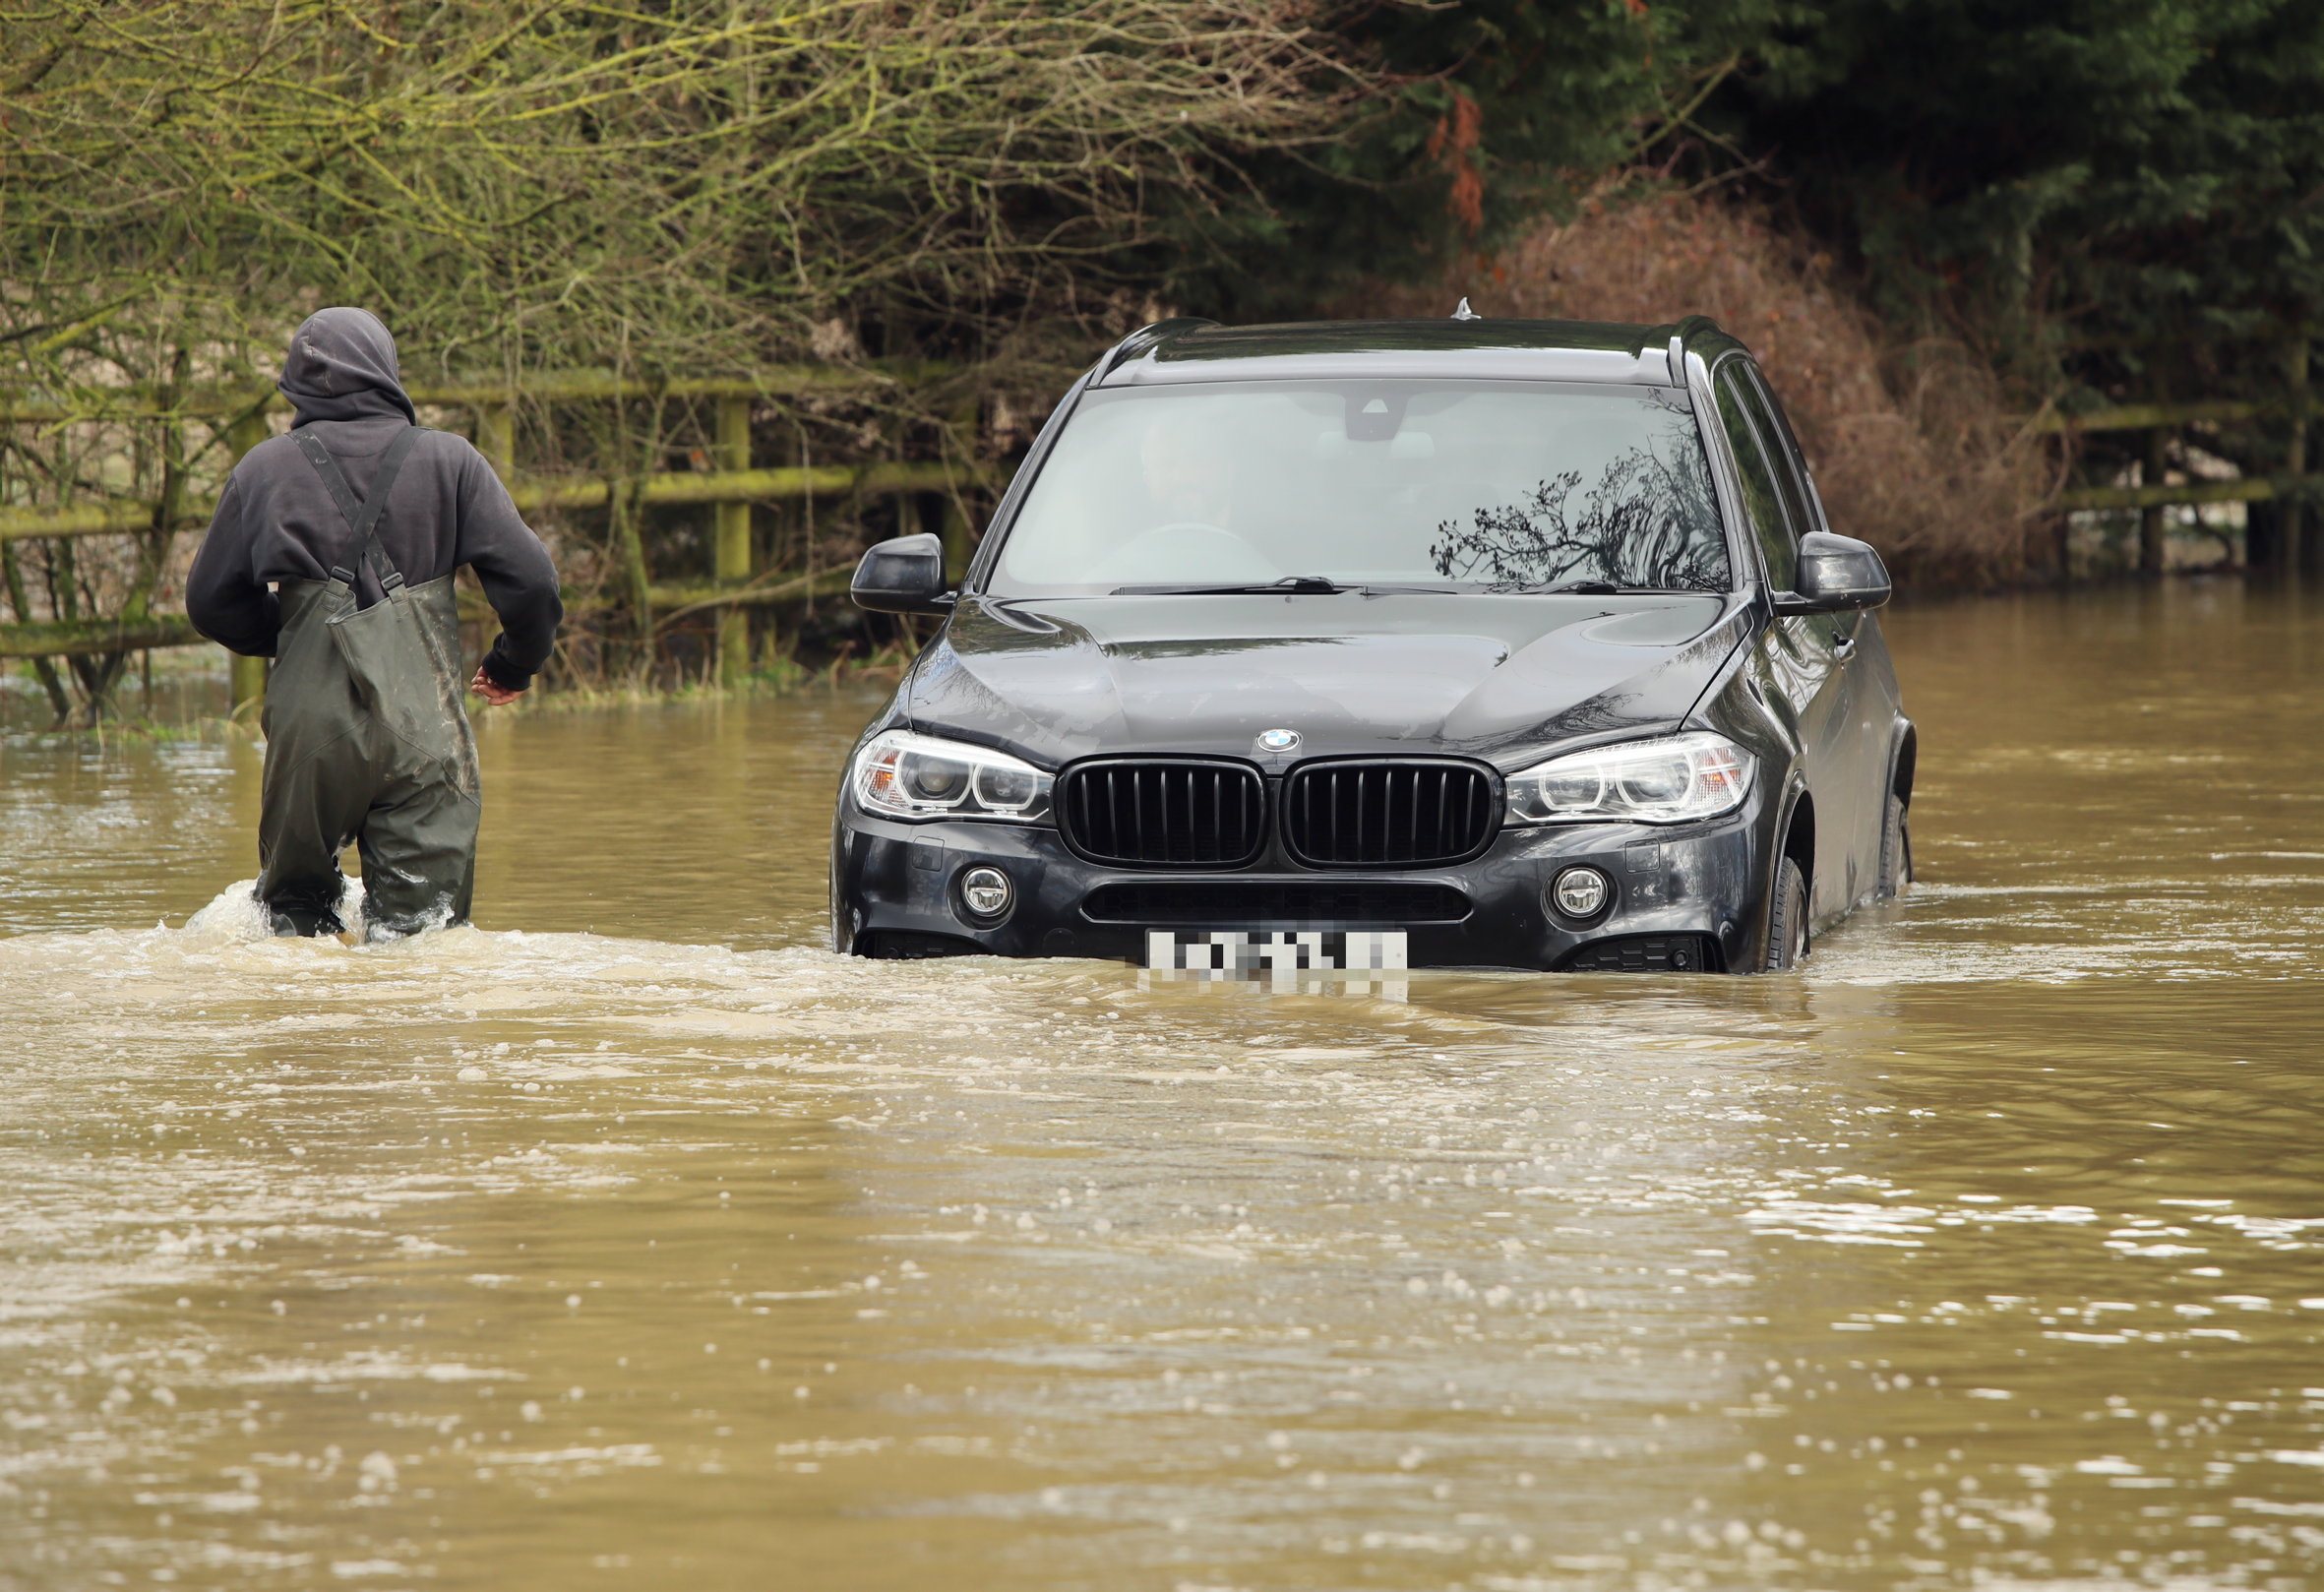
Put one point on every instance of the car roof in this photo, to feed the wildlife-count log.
(1191, 351)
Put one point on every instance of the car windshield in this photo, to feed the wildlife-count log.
(1317, 486)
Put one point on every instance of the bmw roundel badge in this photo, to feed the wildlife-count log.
(1279, 740)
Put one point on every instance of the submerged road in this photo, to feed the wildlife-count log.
(631, 1240)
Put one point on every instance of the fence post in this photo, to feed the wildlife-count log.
(496, 437)
(2150, 516)
(246, 678)
(2298, 552)
(790, 537)
(734, 541)
(966, 432)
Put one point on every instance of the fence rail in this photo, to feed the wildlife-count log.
(211, 400)
(2146, 416)
(2243, 489)
(668, 602)
(731, 486)
(114, 516)
(72, 638)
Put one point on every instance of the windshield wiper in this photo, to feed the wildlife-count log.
(1292, 586)
(1606, 589)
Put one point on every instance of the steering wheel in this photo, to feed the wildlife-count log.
(1189, 550)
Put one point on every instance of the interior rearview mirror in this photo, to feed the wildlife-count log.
(904, 575)
(1837, 575)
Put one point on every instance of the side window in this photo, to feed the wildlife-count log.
(1772, 516)
(1791, 458)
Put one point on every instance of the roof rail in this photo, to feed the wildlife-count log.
(1690, 327)
(1682, 331)
(1144, 338)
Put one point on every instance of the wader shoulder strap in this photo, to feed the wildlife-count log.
(362, 517)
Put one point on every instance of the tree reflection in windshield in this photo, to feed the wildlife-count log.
(1648, 521)
(1378, 483)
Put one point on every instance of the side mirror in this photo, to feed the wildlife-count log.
(1838, 574)
(904, 575)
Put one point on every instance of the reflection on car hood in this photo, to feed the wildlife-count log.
(1502, 678)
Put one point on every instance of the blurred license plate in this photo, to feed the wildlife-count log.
(1229, 951)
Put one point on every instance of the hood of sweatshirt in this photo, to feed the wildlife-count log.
(342, 366)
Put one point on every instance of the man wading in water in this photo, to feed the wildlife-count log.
(360, 517)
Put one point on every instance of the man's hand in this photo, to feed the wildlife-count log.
(493, 693)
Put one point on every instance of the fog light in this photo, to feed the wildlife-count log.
(985, 891)
(1579, 893)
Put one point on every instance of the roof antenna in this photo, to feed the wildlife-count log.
(1462, 312)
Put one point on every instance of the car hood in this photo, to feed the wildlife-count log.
(1500, 677)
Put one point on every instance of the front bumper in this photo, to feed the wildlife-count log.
(1682, 898)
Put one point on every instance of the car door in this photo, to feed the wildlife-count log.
(1806, 663)
(1869, 687)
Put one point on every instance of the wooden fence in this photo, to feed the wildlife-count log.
(2296, 543)
(731, 485)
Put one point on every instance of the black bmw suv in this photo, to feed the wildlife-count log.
(1464, 643)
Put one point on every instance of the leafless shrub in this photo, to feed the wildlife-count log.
(516, 184)
(694, 188)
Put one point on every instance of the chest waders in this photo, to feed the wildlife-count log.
(367, 740)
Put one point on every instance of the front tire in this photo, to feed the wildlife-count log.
(1896, 850)
(1787, 919)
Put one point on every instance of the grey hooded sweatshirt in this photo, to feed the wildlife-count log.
(277, 521)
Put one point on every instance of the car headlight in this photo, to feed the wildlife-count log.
(901, 775)
(1693, 775)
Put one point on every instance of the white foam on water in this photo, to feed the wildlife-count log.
(234, 913)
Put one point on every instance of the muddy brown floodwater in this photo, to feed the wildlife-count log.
(631, 1240)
